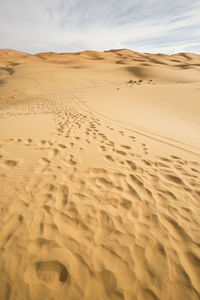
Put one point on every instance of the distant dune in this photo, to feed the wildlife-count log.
(99, 176)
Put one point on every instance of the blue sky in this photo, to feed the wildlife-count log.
(165, 26)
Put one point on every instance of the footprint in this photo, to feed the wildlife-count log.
(103, 148)
(146, 162)
(173, 179)
(121, 132)
(50, 272)
(10, 229)
(106, 221)
(42, 142)
(109, 281)
(8, 164)
(103, 182)
(62, 195)
(52, 153)
(62, 146)
(165, 159)
(127, 204)
(121, 152)
(126, 147)
(132, 137)
(109, 158)
(131, 164)
(44, 161)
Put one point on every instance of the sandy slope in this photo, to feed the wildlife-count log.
(99, 176)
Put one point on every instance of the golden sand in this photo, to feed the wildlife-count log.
(99, 176)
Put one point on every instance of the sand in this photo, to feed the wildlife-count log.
(99, 176)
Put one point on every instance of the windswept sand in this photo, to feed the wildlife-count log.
(99, 176)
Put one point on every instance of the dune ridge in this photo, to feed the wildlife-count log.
(99, 176)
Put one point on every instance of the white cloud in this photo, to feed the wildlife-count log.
(72, 25)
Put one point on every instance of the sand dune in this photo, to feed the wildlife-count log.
(99, 176)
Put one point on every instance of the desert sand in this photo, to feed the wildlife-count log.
(99, 176)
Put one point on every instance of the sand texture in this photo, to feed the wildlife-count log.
(99, 176)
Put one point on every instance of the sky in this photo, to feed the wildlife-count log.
(156, 26)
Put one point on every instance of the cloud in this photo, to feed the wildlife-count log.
(166, 26)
